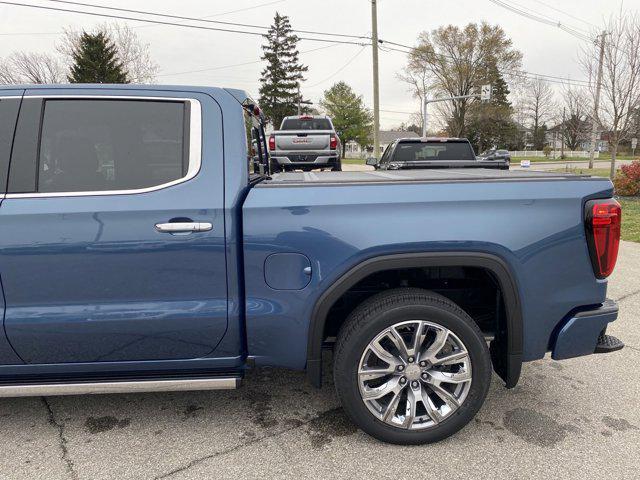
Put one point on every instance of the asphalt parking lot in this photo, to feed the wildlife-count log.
(576, 419)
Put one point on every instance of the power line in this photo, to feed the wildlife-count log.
(351, 60)
(161, 22)
(541, 19)
(566, 13)
(260, 5)
(237, 64)
(203, 19)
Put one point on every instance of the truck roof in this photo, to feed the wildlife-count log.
(449, 175)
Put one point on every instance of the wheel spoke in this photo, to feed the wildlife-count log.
(380, 352)
(392, 408)
(398, 341)
(438, 342)
(373, 373)
(452, 359)
(430, 407)
(445, 396)
(393, 385)
(418, 339)
(410, 410)
(450, 377)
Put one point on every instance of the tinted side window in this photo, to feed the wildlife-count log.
(8, 115)
(97, 145)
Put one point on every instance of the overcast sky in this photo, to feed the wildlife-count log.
(546, 49)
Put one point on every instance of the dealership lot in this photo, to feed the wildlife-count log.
(573, 419)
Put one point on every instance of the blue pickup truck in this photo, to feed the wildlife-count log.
(144, 248)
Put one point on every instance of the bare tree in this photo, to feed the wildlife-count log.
(132, 52)
(456, 61)
(575, 127)
(539, 107)
(29, 67)
(419, 80)
(620, 87)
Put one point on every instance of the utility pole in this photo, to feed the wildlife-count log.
(376, 93)
(564, 133)
(596, 103)
(299, 101)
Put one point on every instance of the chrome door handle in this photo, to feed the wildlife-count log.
(183, 227)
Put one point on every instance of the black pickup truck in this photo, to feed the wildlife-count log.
(412, 153)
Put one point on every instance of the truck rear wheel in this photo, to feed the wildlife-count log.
(337, 167)
(411, 367)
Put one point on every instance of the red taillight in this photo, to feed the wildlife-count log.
(603, 220)
(272, 142)
(333, 143)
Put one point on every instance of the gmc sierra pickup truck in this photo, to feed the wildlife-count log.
(138, 253)
(305, 142)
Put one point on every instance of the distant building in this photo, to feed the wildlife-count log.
(386, 137)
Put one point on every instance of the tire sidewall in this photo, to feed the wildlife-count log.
(346, 378)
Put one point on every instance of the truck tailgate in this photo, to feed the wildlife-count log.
(304, 140)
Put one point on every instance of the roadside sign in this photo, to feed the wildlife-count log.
(634, 143)
(525, 163)
(485, 92)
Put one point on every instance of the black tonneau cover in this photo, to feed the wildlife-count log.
(416, 176)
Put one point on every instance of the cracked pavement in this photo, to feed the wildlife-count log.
(576, 419)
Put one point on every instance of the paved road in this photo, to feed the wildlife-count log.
(576, 419)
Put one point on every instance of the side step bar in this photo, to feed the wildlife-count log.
(124, 386)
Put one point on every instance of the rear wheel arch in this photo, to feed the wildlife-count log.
(507, 358)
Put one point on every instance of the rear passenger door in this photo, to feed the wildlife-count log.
(112, 233)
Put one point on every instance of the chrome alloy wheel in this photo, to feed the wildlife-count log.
(414, 374)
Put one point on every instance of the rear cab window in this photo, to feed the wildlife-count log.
(306, 124)
(102, 144)
(433, 151)
(9, 108)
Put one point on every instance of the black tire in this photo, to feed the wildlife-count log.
(337, 167)
(274, 166)
(386, 309)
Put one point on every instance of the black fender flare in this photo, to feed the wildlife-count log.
(506, 363)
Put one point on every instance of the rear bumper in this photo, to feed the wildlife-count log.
(310, 158)
(579, 334)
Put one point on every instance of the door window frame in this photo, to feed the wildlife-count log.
(193, 131)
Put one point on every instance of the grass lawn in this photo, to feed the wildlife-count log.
(602, 158)
(354, 161)
(596, 172)
(630, 218)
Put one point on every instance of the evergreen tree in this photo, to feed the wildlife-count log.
(351, 119)
(95, 60)
(280, 81)
(490, 123)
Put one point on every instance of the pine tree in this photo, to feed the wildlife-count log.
(282, 76)
(95, 60)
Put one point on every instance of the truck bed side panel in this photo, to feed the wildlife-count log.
(536, 227)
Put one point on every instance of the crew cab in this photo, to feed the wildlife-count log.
(432, 152)
(138, 253)
(305, 142)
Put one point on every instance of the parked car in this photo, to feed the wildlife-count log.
(418, 153)
(305, 142)
(499, 156)
(175, 268)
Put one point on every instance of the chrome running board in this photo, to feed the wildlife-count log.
(124, 386)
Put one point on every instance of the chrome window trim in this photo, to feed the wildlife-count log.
(195, 146)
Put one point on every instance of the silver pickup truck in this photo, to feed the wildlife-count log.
(305, 142)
